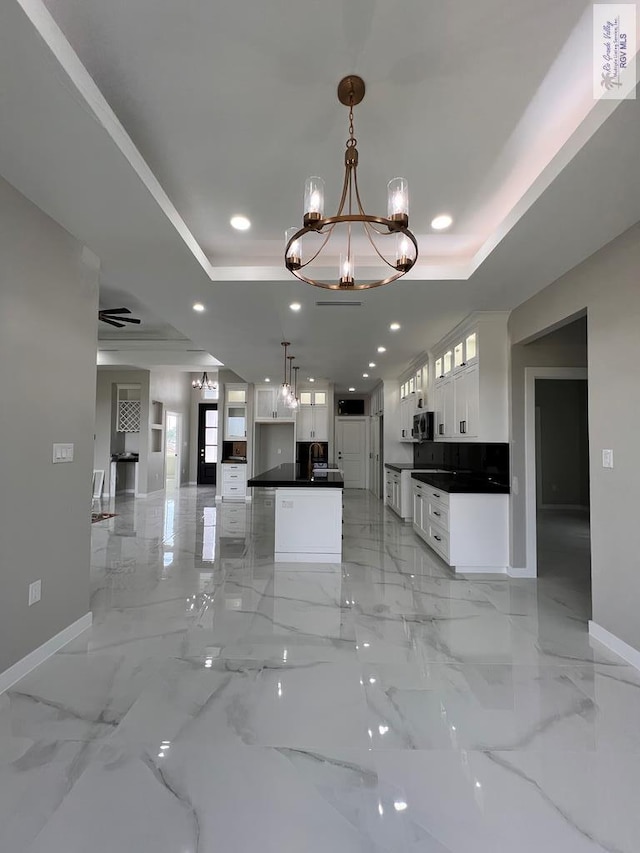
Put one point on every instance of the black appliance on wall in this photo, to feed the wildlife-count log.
(351, 407)
(424, 426)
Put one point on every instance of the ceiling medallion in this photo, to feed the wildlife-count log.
(204, 383)
(396, 224)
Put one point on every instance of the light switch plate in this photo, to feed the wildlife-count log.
(35, 592)
(62, 453)
(607, 458)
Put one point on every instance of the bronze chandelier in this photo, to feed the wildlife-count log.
(350, 93)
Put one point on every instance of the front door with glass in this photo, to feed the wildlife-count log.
(207, 443)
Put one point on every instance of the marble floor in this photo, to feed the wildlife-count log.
(224, 703)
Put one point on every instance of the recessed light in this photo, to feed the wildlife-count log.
(382, 349)
(198, 306)
(365, 375)
(295, 306)
(352, 389)
(394, 327)
(441, 222)
(240, 223)
(266, 379)
(311, 379)
(372, 364)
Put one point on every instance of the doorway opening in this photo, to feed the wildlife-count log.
(207, 443)
(172, 450)
(562, 487)
(557, 523)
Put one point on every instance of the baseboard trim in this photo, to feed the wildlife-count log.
(479, 570)
(614, 644)
(582, 507)
(23, 667)
(517, 572)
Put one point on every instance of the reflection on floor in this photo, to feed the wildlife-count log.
(224, 703)
(564, 555)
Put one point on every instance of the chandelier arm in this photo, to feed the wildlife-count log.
(345, 188)
(357, 189)
(375, 248)
(307, 230)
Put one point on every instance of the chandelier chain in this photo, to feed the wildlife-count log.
(351, 141)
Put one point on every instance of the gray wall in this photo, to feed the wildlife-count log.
(173, 389)
(606, 285)
(170, 387)
(564, 446)
(274, 445)
(106, 439)
(48, 329)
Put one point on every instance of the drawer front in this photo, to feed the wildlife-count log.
(238, 489)
(439, 540)
(437, 496)
(233, 474)
(438, 513)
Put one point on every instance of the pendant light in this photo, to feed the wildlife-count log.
(294, 400)
(289, 397)
(285, 388)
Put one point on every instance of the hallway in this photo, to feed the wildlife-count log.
(221, 703)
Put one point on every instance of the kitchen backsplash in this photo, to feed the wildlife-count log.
(477, 457)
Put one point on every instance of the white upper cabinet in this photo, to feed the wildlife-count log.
(471, 380)
(313, 398)
(312, 420)
(269, 404)
(235, 412)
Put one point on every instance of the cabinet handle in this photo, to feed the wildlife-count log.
(435, 494)
(436, 513)
(437, 538)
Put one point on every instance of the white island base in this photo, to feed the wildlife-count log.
(308, 525)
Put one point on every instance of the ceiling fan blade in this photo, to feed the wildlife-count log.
(115, 311)
(112, 323)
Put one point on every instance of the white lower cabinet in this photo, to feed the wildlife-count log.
(469, 531)
(398, 495)
(234, 481)
(393, 491)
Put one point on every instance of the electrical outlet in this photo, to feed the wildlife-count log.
(35, 591)
(607, 458)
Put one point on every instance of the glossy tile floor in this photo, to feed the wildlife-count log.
(221, 703)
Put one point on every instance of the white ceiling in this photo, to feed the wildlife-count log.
(142, 127)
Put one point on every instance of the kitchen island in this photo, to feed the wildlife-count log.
(308, 517)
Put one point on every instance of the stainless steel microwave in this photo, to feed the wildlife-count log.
(424, 426)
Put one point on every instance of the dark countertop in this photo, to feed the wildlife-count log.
(409, 466)
(234, 461)
(400, 466)
(125, 457)
(461, 482)
(292, 474)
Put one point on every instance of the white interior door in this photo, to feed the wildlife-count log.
(374, 455)
(172, 449)
(351, 451)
